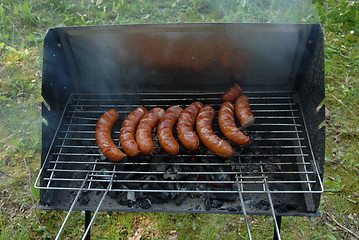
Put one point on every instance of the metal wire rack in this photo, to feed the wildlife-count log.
(280, 151)
(278, 160)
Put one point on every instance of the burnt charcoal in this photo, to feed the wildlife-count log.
(123, 201)
(233, 209)
(223, 196)
(158, 198)
(172, 186)
(143, 203)
(131, 196)
(262, 205)
(127, 199)
(182, 196)
(114, 194)
(171, 174)
(212, 203)
(84, 198)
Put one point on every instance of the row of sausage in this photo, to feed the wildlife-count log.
(136, 130)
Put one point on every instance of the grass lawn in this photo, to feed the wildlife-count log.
(23, 27)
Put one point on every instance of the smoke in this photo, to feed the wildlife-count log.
(262, 11)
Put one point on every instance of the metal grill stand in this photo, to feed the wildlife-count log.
(278, 168)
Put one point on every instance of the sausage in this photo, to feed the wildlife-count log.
(186, 135)
(243, 112)
(145, 128)
(228, 126)
(232, 93)
(103, 136)
(204, 129)
(128, 128)
(165, 128)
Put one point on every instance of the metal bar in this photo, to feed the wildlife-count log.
(49, 182)
(116, 139)
(118, 132)
(174, 181)
(180, 155)
(182, 163)
(240, 190)
(51, 144)
(276, 226)
(301, 151)
(245, 147)
(71, 208)
(179, 191)
(320, 180)
(98, 207)
(178, 173)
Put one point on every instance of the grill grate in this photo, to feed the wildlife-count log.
(280, 159)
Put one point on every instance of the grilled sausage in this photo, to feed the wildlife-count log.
(232, 93)
(165, 128)
(128, 128)
(243, 112)
(204, 129)
(145, 128)
(228, 126)
(103, 136)
(186, 135)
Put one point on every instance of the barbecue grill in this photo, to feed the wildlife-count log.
(88, 70)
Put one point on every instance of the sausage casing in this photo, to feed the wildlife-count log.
(228, 126)
(186, 135)
(243, 112)
(204, 129)
(232, 93)
(165, 130)
(103, 136)
(128, 128)
(145, 128)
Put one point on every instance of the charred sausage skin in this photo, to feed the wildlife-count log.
(204, 129)
(228, 126)
(145, 128)
(103, 136)
(165, 130)
(232, 93)
(186, 134)
(127, 132)
(243, 112)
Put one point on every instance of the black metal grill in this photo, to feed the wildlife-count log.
(279, 160)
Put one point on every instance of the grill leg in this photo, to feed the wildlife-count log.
(279, 222)
(87, 223)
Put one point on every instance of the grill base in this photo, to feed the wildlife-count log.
(279, 162)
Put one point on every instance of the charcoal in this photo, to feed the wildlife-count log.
(262, 205)
(131, 196)
(180, 198)
(223, 196)
(84, 198)
(171, 174)
(212, 203)
(233, 209)
(143, 203)
(158, 198)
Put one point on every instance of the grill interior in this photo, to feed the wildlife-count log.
(279, 161)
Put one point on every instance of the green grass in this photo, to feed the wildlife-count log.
(23, 25)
